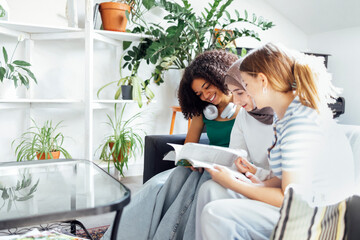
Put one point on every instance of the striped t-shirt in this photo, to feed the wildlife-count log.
(316, 148)
(295, 134)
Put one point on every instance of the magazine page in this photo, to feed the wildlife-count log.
(211, 154)
(234, 173)
(170, 156)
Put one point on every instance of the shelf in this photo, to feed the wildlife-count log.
(24, 100)
(120, 36)
(44, 103)
(43, 32)
(100, 104)
(32, 29)
(112, 101)
(87, 105)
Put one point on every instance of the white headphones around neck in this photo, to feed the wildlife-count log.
(211, 111)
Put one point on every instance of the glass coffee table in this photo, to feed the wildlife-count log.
(45, 191)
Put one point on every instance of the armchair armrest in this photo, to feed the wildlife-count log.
(155, 149)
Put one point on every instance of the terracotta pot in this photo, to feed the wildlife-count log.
(118, 158)
(113, 16)
(55, 155)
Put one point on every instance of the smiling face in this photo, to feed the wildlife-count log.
(254, 88)
(206, 91)
(241, 98)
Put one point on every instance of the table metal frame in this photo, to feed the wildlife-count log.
(71, 214)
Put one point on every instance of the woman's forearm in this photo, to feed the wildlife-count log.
(270, 195)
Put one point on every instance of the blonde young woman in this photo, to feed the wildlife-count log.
(308, 149)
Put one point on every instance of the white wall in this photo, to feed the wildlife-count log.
(343, 45)
(59, 62)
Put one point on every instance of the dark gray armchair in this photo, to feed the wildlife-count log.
(155, 149)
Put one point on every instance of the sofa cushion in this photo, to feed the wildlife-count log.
(352, 132)
(299, 220)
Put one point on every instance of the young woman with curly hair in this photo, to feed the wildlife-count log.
(202, 85)
(165, 207)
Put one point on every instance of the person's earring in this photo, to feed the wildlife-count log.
(264, 90)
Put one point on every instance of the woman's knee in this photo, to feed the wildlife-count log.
(211, 191)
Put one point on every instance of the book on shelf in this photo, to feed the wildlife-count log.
(206, 156)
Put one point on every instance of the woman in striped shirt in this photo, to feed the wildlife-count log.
(307, 150)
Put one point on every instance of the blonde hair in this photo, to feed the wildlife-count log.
(288, 70)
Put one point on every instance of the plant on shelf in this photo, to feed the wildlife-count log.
(43, 142)
(114, 15)
(22, 191)
(137, 86)
(186, 34)
(132, 87)
(17, 71)
(123, 142)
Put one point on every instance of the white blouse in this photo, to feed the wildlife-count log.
(254, 137)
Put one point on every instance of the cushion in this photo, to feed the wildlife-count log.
(352, 218)
(299, 220)
(352, 132)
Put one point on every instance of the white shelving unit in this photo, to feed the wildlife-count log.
(87, 104)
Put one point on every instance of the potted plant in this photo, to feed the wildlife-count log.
(16, 71)
(114, 14)
(187, 34)
(124, 141)
(40, 142)
(132, 86)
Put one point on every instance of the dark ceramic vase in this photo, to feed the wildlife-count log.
(126, 91)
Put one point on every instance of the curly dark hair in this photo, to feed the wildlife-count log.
(210, 65)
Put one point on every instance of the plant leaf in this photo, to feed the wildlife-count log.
(5, 55)
(22, 63)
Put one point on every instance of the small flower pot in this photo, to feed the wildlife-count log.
(113, 16)
(119, 158)
(41, 156)
(126, 91)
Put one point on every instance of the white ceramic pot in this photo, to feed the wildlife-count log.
(8, 90)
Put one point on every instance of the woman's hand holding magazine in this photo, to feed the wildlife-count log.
(206, 156)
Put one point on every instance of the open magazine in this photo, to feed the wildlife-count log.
(206, 156)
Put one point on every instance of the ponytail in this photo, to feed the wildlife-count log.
(306, 87)
(289, 70)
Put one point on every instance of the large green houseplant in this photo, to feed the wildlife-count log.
(188, 34)
(41, 142)
(123, 142)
